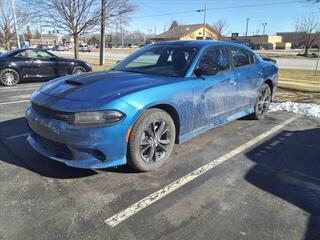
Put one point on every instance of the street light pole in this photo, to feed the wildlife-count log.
(204, 20)
(15, 23)
(247, 26)
(263, 32)
(102, 32)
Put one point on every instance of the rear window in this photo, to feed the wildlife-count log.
(240, 57)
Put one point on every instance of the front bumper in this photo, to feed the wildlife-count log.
(78, 147)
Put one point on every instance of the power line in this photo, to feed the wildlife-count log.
(219, 8)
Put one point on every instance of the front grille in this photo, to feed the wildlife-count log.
(53, 114)
(61, 149)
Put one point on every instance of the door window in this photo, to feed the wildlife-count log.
(240, 57)
(215, 57)
(27, 54)
(43, 54)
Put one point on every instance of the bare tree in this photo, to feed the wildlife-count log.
(75, 17)
(308, 25)
(7, 31)
(221, 26)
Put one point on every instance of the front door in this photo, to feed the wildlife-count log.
(215, 95)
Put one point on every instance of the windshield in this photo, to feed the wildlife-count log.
(164, 60)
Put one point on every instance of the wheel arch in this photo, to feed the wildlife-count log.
(270, 84)
(172, 111)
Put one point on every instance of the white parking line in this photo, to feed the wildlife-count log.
(13, 102)
(152, 198)
(17, 136)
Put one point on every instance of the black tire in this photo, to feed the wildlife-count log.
(78, 70)
(151, 141)
(9, 77)
(262, 103)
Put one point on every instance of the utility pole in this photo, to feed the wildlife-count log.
(102, 32)
(263, 32)
(122, 43)
(317, 64)
(247, 19)
(15, 23)
(204, 20)
(155, 31)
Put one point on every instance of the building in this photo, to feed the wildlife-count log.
(260, 41)
(47, 39)
(187, 32)
(297, 39)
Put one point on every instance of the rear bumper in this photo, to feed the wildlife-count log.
(98, 147)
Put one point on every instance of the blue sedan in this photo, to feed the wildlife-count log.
(134, 113)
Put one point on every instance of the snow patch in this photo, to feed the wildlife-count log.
(307, 109)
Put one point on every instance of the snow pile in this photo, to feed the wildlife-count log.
(308, 109)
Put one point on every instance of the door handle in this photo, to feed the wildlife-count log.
(233, 81)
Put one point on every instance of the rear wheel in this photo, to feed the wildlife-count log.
(152, 140)
(78, 70)
(9, 77)
(262, 103)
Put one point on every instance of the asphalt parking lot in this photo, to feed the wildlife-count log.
(267, 185)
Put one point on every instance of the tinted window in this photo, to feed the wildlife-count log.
(215, 57)
(240, 57)
(27, 54)
(166, 60)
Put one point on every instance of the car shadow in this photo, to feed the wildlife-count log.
(288, 166)
(16, 151)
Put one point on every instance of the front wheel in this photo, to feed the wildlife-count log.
(78, 70)
(152, 140)
(262, 103)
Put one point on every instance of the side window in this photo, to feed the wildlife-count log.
(240, 57)
(215, 58)
(27, 54)
(43, 54)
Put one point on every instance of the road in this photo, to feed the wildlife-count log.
(286, 63)
(266, 187)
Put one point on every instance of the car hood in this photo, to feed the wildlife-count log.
(105, 85)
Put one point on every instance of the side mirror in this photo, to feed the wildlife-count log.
(207, 70)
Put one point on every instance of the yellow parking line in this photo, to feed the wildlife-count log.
(152, 198)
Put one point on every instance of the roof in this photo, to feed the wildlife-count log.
(201, 43)
(182, 30)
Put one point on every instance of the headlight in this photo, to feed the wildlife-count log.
(98, 118)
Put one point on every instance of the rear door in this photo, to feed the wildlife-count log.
(247, 74)
(215, 96)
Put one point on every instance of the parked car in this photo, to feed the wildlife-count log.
(42, 46)
(84, 48)
(162, 94)
(50, 47)
(59, 48)
(31, 63)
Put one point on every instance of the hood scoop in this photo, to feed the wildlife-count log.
(74, 83)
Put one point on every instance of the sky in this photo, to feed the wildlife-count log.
(278, 14)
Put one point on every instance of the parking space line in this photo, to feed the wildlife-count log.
(17, 136)
(13, 102)
(152, 198)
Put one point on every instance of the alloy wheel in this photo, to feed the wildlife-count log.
(78, 70)
(9, 77)
(155, 141)
(264, 100)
